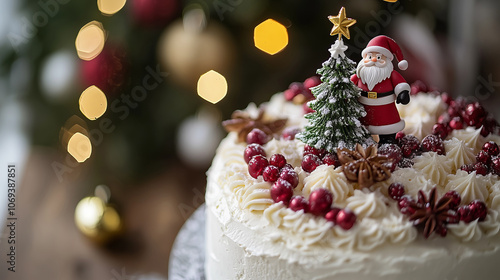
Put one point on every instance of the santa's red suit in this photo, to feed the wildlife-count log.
(382, 116)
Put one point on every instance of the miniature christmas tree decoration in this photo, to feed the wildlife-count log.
(335, 120)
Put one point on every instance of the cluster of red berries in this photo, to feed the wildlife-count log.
(320, 204)
(487, 160)
(300, 93)
(461, 114)
(276, 170)
(474, 210)
(407, 147)
(312, 158)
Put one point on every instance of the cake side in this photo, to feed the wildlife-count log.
(251, 237)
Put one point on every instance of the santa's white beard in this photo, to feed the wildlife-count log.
(374, 74)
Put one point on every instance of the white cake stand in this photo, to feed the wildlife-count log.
(187, 259)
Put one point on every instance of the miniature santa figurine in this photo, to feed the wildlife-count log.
(380, 86)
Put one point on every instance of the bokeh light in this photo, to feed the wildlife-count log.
(270, 37)
(212, 86)
(80, 147)
(93, 103)
(90, 40)
(96, 219)
(110, 7)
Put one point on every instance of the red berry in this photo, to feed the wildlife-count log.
(257, 165)
(453, 217)
(474, 114)
(287, 166)
(257, 136)
(271, 173)
(290, 94)
(393, 151)
(446, 98)
(469, 168)
(312, 82)
(495, 165)
(281, 191)
(441, 230)
(253, 150)
(310, 162)
(481, 168)
(465, 214)
(290, 176)
(455, 199)
(400, 135)
(489, 126)
(290, 132)
(483, 157)
(320, 201)
(491, 148)
(331, 159)
(396, 191)
(409, 145)
(417, 87)
(444, 119)
(456, 123)
(346, 219)
(440, 130)
(277, 160)
(405, 163)
(293, 90)
(404, 205)
(433, 143)
(311, 150)
(298, 203)
(478, 210)
(332, 215)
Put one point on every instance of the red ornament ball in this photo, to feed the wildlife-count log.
(396, 191)
(277, 160)
(257, 165)
(108, 71)
(257, 136)
(310, 162)
(320, 201)
(298, 203)
(253, 150)
(346, 219)
(271, 173)
(281, 191)
(154, 13)
(491, 148)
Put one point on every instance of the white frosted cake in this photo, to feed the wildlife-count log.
(372, 232)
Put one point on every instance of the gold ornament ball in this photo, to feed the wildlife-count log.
(187, 54)
(97, 220)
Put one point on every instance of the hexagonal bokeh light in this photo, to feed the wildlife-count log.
(212, 86)
(270, 36)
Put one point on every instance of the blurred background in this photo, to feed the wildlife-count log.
(110, 110)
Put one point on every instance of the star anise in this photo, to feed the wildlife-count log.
(431, 213)
(364, 166)
(243, 123)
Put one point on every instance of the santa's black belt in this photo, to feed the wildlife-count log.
(375, 95)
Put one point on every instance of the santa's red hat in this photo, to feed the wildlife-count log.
(388, 47)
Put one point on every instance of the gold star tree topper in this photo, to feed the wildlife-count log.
(341, 24)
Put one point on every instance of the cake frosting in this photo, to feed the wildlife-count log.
(250, 236)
